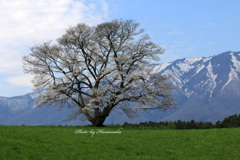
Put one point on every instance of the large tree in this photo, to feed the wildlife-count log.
(97, 69)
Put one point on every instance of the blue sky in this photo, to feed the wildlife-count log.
(185, 28)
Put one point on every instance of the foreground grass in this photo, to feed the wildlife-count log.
(25, 142)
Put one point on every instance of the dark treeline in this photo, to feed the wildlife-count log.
(231, 121)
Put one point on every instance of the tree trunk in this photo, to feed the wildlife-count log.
(99, 120)
(97, 123)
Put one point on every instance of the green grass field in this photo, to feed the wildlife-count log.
(48, 142)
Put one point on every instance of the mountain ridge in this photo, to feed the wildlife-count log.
(208, 83)
(208, 90)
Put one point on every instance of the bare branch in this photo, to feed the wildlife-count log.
(99, 69)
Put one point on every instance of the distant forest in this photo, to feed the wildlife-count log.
(228, 122)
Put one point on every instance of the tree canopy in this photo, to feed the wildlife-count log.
(97, 69)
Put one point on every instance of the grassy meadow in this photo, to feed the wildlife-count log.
(79, 143)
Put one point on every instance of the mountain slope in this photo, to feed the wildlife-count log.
(208, 90)
(210, 86)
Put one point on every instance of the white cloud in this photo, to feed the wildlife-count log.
(20, 80)
(211, 43)
(176, 31)
(190, 48)
(24, 23)
(9, 63)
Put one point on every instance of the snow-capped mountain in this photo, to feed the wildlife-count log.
(194, 75)
(208, 89)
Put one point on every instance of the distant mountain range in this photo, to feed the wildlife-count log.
(208, 89)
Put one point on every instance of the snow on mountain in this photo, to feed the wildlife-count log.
(231, 76)
(188, 64)
(208, 89)
(185, 71)
(236, 63)
(160, 67)
(210, 86)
